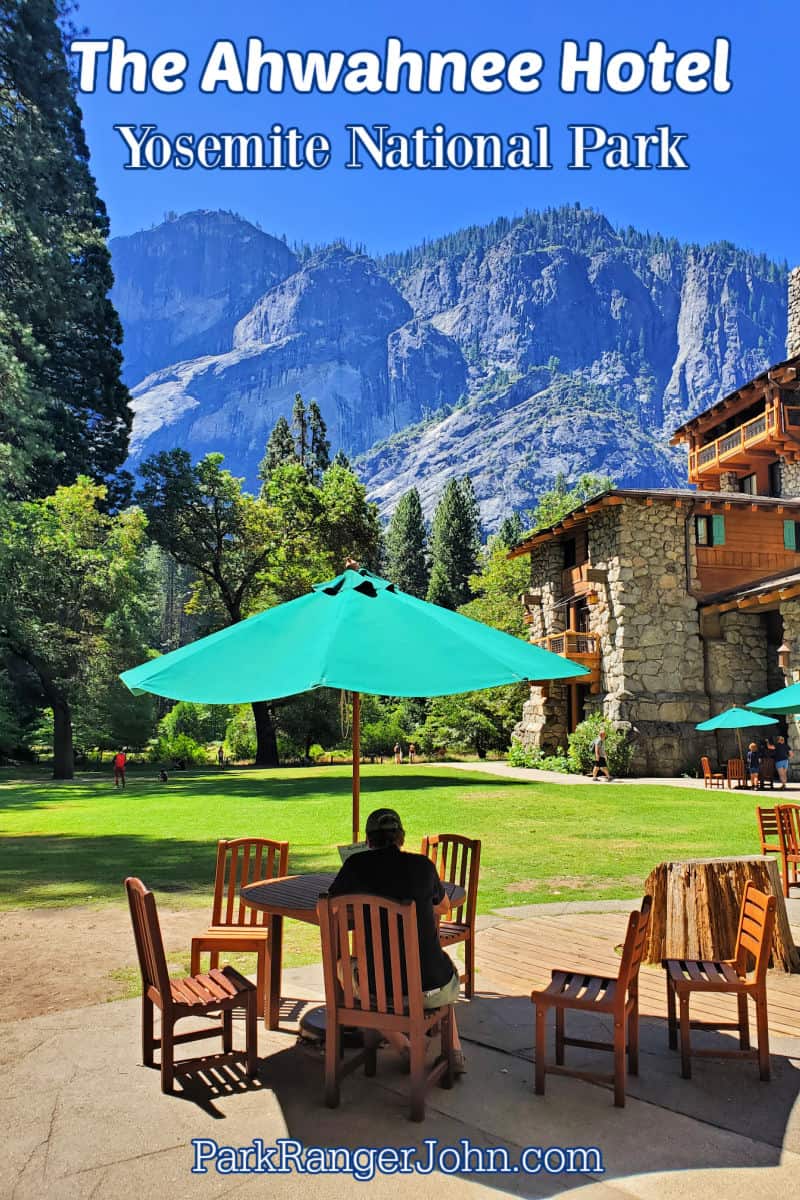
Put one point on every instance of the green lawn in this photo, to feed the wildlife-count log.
(73, 843)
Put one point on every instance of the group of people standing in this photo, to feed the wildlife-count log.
(771, 750)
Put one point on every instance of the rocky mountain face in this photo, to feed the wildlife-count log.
(512, 351)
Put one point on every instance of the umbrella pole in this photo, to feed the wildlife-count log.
(356, 762)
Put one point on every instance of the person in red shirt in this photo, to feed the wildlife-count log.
(119, 769)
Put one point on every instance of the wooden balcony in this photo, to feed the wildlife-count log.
(574, 580)
(581, 648)
(778, 426)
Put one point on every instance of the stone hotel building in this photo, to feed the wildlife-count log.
(680, 602)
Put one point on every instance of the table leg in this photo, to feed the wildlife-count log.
(275, 968)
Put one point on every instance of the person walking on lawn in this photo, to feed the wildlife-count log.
(120, 760)
(599, 752)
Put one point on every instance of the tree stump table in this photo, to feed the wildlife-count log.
(696, 906)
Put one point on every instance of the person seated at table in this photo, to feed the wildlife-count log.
(384, 870)
(753, 759)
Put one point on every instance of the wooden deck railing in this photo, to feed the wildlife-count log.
(775, 423)
(571, 644)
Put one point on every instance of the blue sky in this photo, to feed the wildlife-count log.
(742, 185)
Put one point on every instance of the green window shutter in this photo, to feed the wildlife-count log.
(718, 530)
(789, 536)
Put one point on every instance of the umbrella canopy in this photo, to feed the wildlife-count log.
(736, 718)
(357, 632)
(784, 701)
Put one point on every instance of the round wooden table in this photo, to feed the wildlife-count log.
(295, 897)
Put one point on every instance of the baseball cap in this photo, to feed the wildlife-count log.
(383, 820)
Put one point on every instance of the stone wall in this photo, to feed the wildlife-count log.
(544, 715)
(736, 669)
(652, 664)
(790, 611)
(793, 337)
(790, 478)
(729, 482)
(654, 670)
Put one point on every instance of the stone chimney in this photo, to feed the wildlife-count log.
(793, 336)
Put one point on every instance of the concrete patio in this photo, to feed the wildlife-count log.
(84, 1119)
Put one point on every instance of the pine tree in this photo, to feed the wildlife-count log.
(300, 430)
(406, 563)
(56, 320)
(510, 531)
(455, 544)
(319, 446)
(280, 450)
(340, 459)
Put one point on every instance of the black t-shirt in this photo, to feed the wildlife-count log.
(395, 875)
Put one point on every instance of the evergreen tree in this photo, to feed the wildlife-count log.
(61, 335)
(319, 446)
(406, 563)
(455, 544)
(510, 531)
(340, 459)
(300, 430)
(280, 450)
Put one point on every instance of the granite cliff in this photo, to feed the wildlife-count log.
(552, 342)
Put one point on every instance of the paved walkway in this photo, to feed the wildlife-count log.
(82, 1119)
(534, 775)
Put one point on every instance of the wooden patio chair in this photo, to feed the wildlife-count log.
(597, 994)
(789, 834)
(735, 772)
(220, 991)
(458, 860)
(754, 939)
(769, 830)
(235, 928)
(711, 778)
(370, 960)
(767, 772)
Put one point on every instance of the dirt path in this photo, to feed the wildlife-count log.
(66, 957)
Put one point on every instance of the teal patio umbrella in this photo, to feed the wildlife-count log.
(738, 719)
(356, 632)
(784, 701)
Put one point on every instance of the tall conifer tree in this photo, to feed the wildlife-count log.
(406, 563)
(455, 544)
(280, 450)
(61, 335)
(319, 446)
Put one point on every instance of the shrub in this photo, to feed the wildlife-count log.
(179, 749)
(619, 749)
(240, 735)
(524, 756)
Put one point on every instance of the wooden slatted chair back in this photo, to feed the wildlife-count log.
(370, 955)
(241, 861)
(149, 944)
(754, 937)
(735, 770)
(457, 860)
(633, 952)
(789, 827)
(769, 830)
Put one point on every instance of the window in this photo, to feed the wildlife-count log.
(791, 535)
(775, 479)
(750, 485)
(710, 531)
(570, 553)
